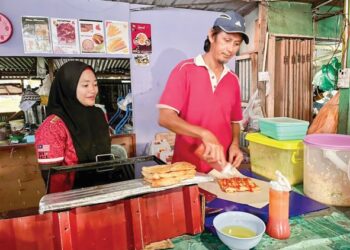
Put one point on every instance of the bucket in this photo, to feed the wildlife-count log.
(327, 168)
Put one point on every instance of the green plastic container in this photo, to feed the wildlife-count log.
(283, 128)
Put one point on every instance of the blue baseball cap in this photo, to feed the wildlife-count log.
(232, 22)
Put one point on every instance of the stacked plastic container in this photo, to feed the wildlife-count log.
(279, 146)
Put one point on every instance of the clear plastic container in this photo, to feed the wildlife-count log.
(283, 128)
(327, 168)
(268, 155)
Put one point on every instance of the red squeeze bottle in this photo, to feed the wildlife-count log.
(278, 221)
(200, 151)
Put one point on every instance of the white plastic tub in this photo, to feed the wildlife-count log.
(327, 168)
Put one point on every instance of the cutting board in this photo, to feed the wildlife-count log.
(256, 199)
(298, 205)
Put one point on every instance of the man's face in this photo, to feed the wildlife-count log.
(224, 45)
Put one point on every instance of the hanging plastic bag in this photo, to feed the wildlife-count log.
(44, 90)
(327, 78)
(327, 119)
(252, 113)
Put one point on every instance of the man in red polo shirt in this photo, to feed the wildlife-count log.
(201, 101)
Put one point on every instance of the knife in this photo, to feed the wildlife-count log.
(210, 210)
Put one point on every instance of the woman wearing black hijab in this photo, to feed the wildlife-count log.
(75, 131)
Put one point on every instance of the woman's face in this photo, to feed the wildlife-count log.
(87, 88)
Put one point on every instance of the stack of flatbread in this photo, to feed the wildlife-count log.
(165, 175)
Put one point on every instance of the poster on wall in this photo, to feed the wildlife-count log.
(64, 34)
(92, 38)
(142, 59)
(141, 38)
(117, 36)
(36, 35)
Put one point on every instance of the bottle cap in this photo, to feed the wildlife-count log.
(281, 184)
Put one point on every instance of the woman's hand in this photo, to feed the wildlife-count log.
(213, 150)
(235, 155)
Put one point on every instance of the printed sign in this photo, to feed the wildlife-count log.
(92, 38)
(36, 35)
(64, 36)
(117, 36)
(141, 38)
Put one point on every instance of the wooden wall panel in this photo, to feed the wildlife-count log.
(293, 89)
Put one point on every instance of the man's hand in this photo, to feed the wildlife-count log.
(235, 155)
(213, 151)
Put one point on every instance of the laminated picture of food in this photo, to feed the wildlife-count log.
(142, 39)
(86, 27)
(65, 33)
(97, 38)
(88, 45)
(113, 30)
(41, 30)
(116, 44)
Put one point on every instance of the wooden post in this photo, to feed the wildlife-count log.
(270, 99)
(344, 98)
(254, 82)
(261, 48)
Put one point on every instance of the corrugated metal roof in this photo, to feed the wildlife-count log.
(101, 66)
(23, 67)
(243, 7)
(17, 66)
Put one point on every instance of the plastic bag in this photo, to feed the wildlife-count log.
(123, 103)
(162, 150)
(252, 114)
(45, 88)
(326, 79)
(326, 122)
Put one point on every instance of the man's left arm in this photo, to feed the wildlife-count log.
(235, 155)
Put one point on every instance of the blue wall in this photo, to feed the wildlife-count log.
(177, 34)
(78, 9)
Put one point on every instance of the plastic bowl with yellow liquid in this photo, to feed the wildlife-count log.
(239, 230)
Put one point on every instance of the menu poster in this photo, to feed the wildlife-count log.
(64, 33)
(141, 38)
(92, 38)
(117, 36)
(36, 35)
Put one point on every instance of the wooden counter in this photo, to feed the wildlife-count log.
(21, 185)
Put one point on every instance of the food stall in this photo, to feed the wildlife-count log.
(116, 215)
(130, 214)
